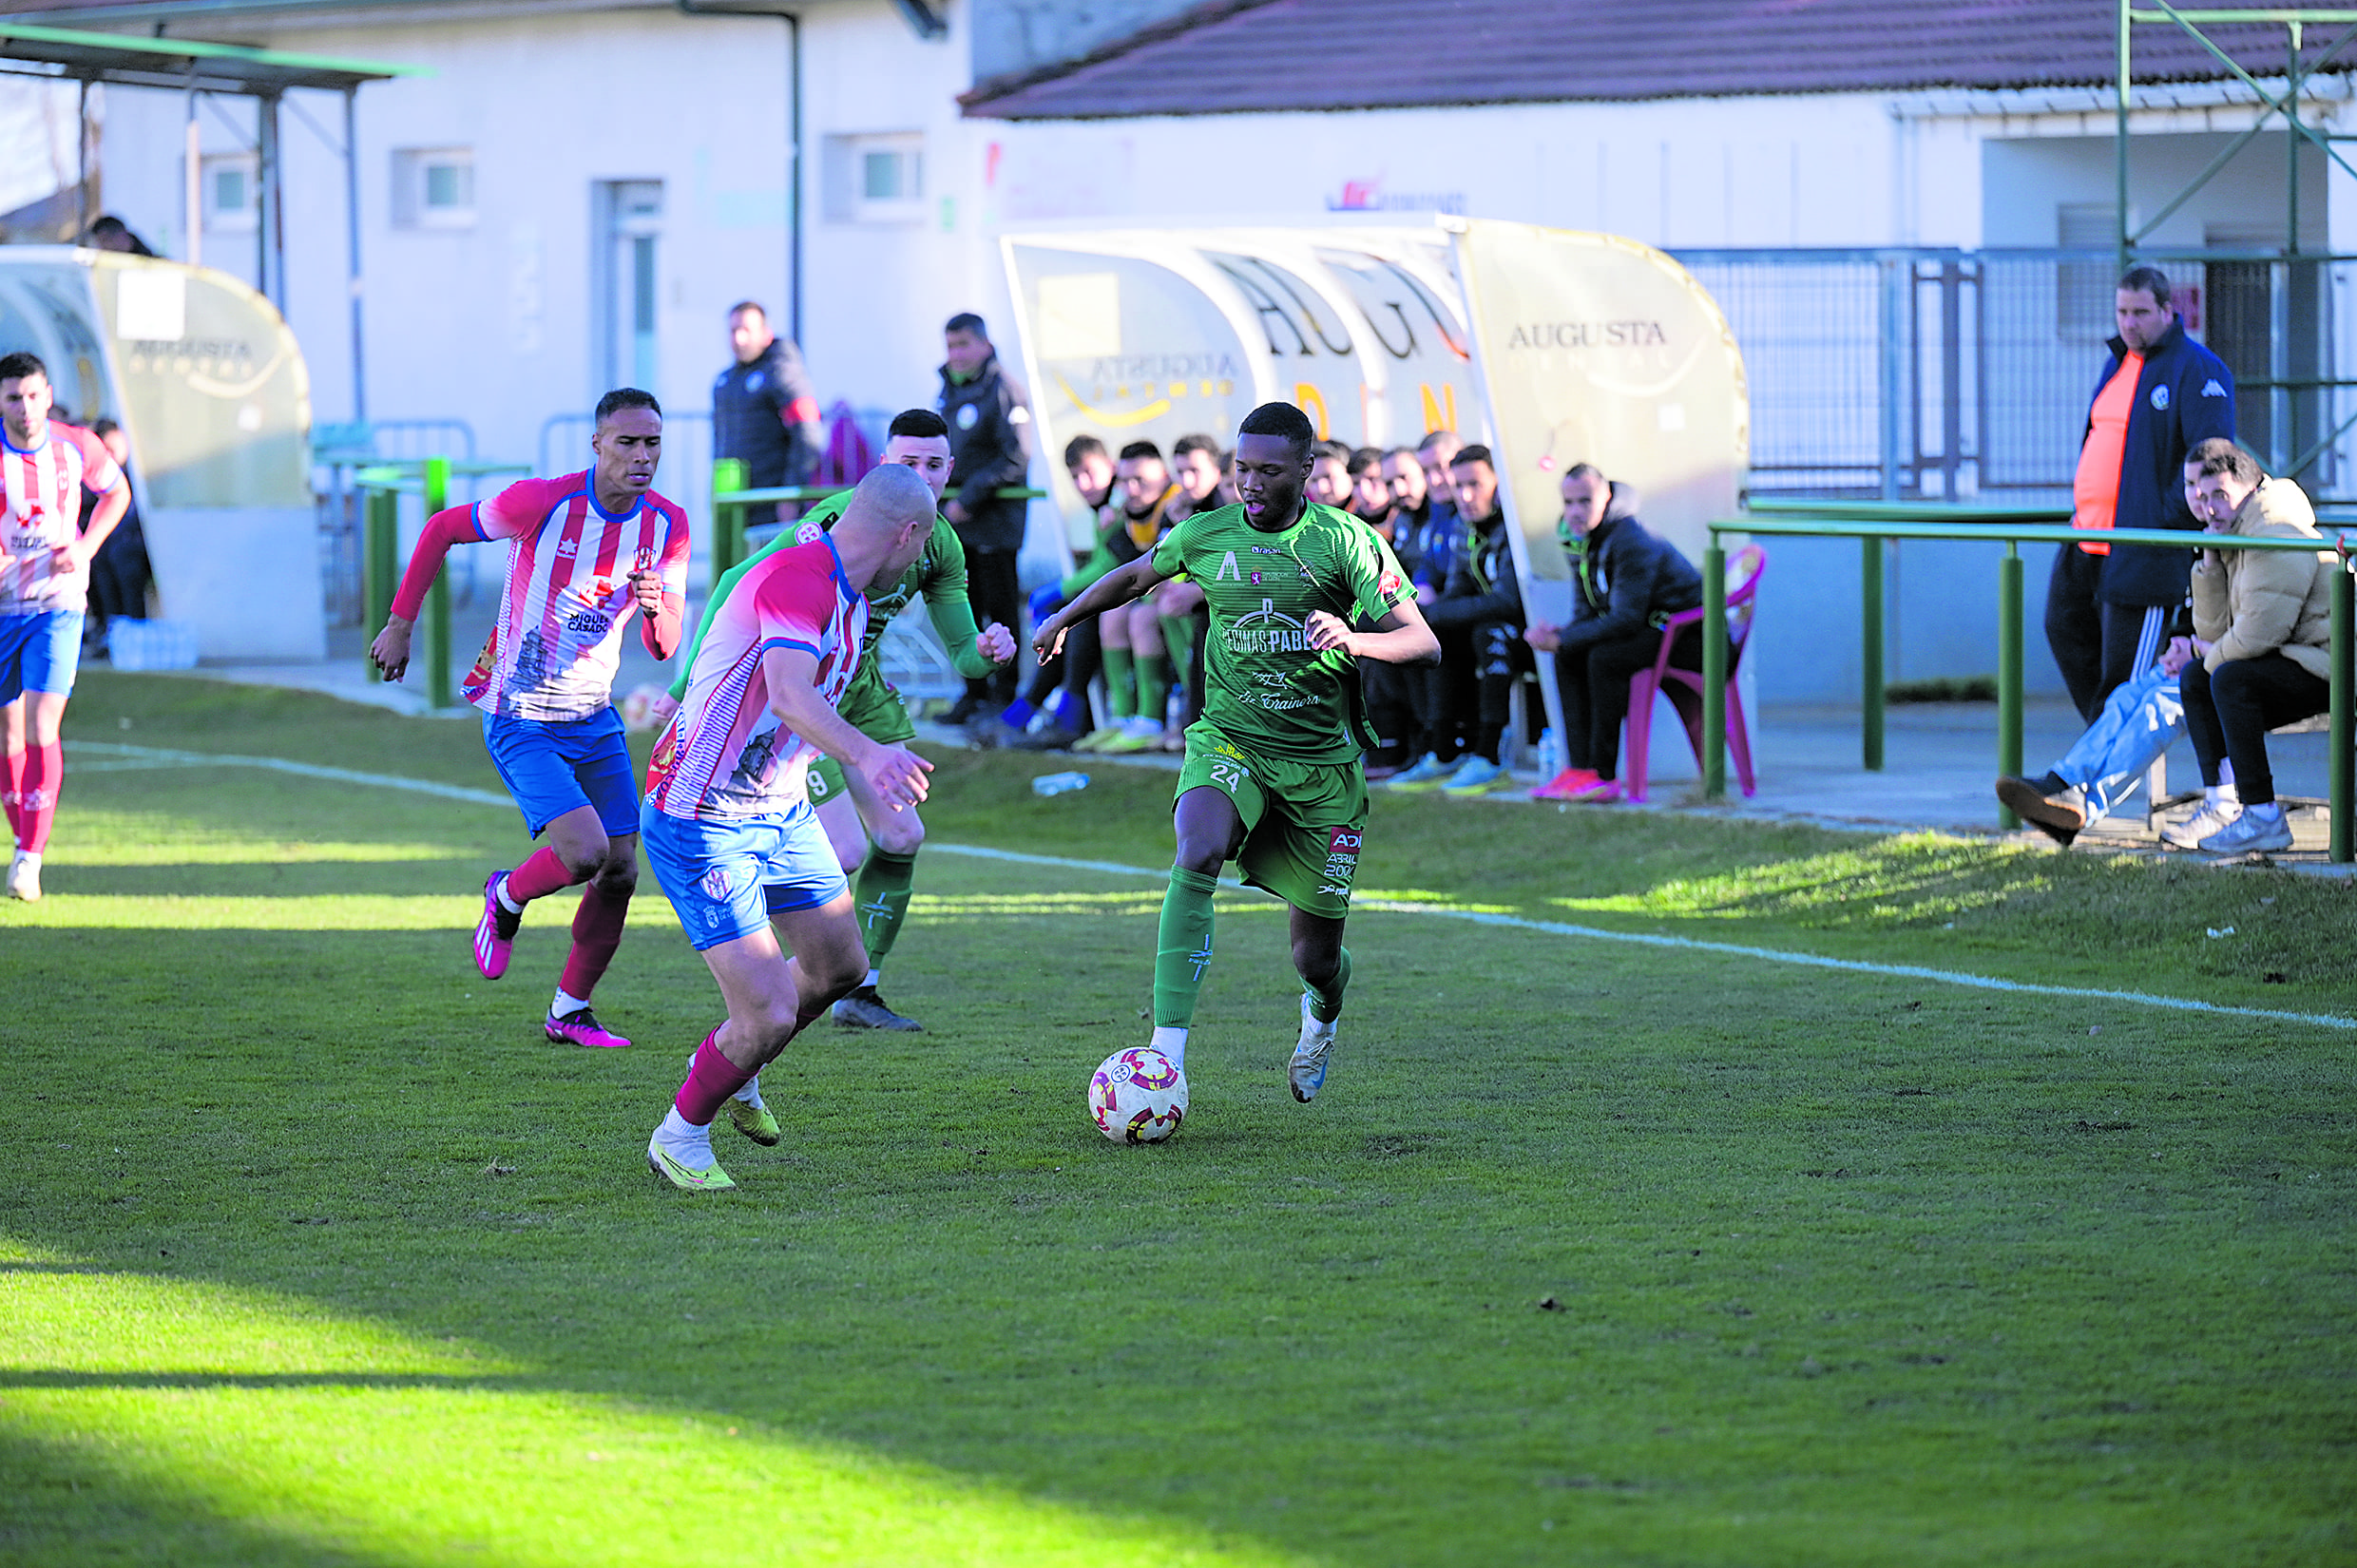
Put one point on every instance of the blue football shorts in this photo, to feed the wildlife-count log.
(554, 766)
(39, 653)
(726, 877)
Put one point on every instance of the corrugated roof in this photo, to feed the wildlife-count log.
(1237, 56)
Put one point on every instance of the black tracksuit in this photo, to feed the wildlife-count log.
(1626, 581)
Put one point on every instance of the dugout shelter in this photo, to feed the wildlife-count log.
(208, 382)
(1550, 346)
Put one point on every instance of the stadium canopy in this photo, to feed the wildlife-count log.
(197, 68)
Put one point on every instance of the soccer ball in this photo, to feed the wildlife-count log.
(637, 709)
(1139, 1096)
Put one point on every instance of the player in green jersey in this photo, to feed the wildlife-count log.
(873, 839)
(1273, 777)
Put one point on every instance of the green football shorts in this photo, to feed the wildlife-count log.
(872, 707)
(1304, 822)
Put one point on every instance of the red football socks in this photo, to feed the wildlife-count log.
(44, 769)
(540, 874)
(711, 1079)
(597, 932)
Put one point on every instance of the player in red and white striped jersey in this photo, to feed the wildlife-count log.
(583, 551)
(44, 586)
(729, 828)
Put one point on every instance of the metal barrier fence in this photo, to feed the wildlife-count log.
(1871, 524)
(1938, 374)
(380, 488)
(339, 452)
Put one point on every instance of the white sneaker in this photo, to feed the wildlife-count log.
(2220, 805)
(2251, 832)
(24, 876)
(1308, 1069)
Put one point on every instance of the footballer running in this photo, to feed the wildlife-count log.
(730, 831)
(872, 837)
(583, 553)
(1273, 778)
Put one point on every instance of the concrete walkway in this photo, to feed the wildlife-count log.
(1940, 759)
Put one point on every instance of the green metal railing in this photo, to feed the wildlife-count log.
(1871, 524)
(731, 501)
(381, 488)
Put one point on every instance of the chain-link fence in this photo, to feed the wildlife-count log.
(1941, 374)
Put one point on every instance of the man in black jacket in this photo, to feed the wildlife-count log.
(766, 408)
(2160, 394)
(1477, 618)
(990, 450)
(1626, 583)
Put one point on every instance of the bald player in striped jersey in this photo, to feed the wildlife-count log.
(44, 586)
(584, 552)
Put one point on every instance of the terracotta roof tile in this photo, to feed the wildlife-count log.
(1237, 56)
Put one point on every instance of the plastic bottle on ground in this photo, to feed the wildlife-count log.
(1055, 784)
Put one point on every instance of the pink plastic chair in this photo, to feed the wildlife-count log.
(1684, 688)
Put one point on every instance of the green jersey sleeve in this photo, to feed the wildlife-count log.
(1375, 577)
(822, 514)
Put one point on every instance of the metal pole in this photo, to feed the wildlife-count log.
(2009, 655)
(2119, 143)
(1871, 648)
(1715, 670)
(351, 240)
(81, 161)
(381, 558)
(1892, 377)
(270, 232)
(437, 489)
(193, 192)
(2344, 736)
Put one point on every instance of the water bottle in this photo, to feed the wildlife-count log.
(1055, 784)
(1550, 753)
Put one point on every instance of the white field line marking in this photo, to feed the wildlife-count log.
(148, 754)
(157, 758)
(1729, 949)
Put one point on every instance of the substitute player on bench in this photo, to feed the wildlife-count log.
(871, 838)
(1272, 776)
(44, 586)
(730, 831)
(584, 552)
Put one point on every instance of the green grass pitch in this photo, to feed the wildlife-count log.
(313, 1252)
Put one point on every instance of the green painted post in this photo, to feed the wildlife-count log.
(2009, 655)
(1715, 671)
(728, 519)
(380, 554)
(2344, 773)
(438, 490)
(1871, 648)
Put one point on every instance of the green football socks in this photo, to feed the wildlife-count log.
(1120, 682)
(1179, 637)
(1326, 1003)
(885, 880)
(1153, 685)
(1184, 951)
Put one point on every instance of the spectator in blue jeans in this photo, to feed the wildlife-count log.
(2106, 765)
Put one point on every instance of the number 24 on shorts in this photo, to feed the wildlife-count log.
(1228, 775)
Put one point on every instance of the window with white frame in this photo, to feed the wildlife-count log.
(433, 188)
(231, 185)
(876, 177)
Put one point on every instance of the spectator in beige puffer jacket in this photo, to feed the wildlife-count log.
(2262, 622)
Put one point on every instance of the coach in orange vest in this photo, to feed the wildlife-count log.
(2161, 393)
